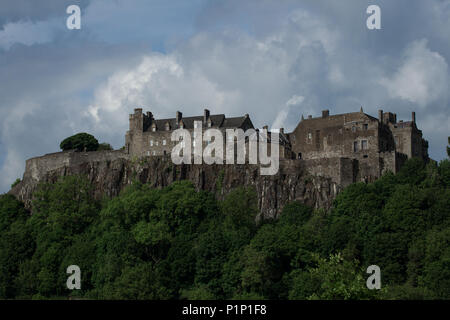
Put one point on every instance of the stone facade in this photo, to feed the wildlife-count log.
(376, 144)
(151, 137)
(372, 145)
(148, 136)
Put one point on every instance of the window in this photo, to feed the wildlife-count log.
(365, 126)
(353, 129)
(148, 153)
(355, 146)
(154, 152)
(167, 127)
(157, 143)
(299, 155)
(164, 142)
(364, 145)
(317, 139)
(151, 143)
(309, 136)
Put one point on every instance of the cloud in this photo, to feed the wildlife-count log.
(422, 78)
(27, 33)
(159, 83)
(279, 121)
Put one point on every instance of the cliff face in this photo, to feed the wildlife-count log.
(111, 171)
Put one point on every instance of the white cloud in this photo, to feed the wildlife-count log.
(158, 83)
(422, 78)
(27, 33)
(281, 117)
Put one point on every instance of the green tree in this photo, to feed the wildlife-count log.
(333, 279)
(80, 142)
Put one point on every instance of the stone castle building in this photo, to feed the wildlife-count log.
(152, 137)
(373, 145)
(377, 144)
(317, 159)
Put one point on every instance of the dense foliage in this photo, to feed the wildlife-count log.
(80, 142)
(178, 243)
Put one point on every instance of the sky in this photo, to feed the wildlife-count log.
(275, 60)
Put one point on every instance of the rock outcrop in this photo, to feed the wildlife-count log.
(111, 171)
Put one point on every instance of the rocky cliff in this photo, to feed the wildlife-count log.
(111, 171)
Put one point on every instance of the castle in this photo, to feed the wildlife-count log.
(371, 146)
(316, 160)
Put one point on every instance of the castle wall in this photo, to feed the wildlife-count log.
(37, 167)
(335, 136)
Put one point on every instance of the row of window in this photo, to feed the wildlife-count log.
(181, 126)
(164, 142)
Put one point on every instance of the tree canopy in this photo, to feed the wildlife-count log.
(80, 142)
(176, 242)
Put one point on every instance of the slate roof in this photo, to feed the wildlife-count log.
(218, 120)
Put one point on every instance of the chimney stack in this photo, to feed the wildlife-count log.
(205, 115)
(325, 113)
(266, 127)
(380, 116)
(282, 130)
(178, 118)
(413, 117)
